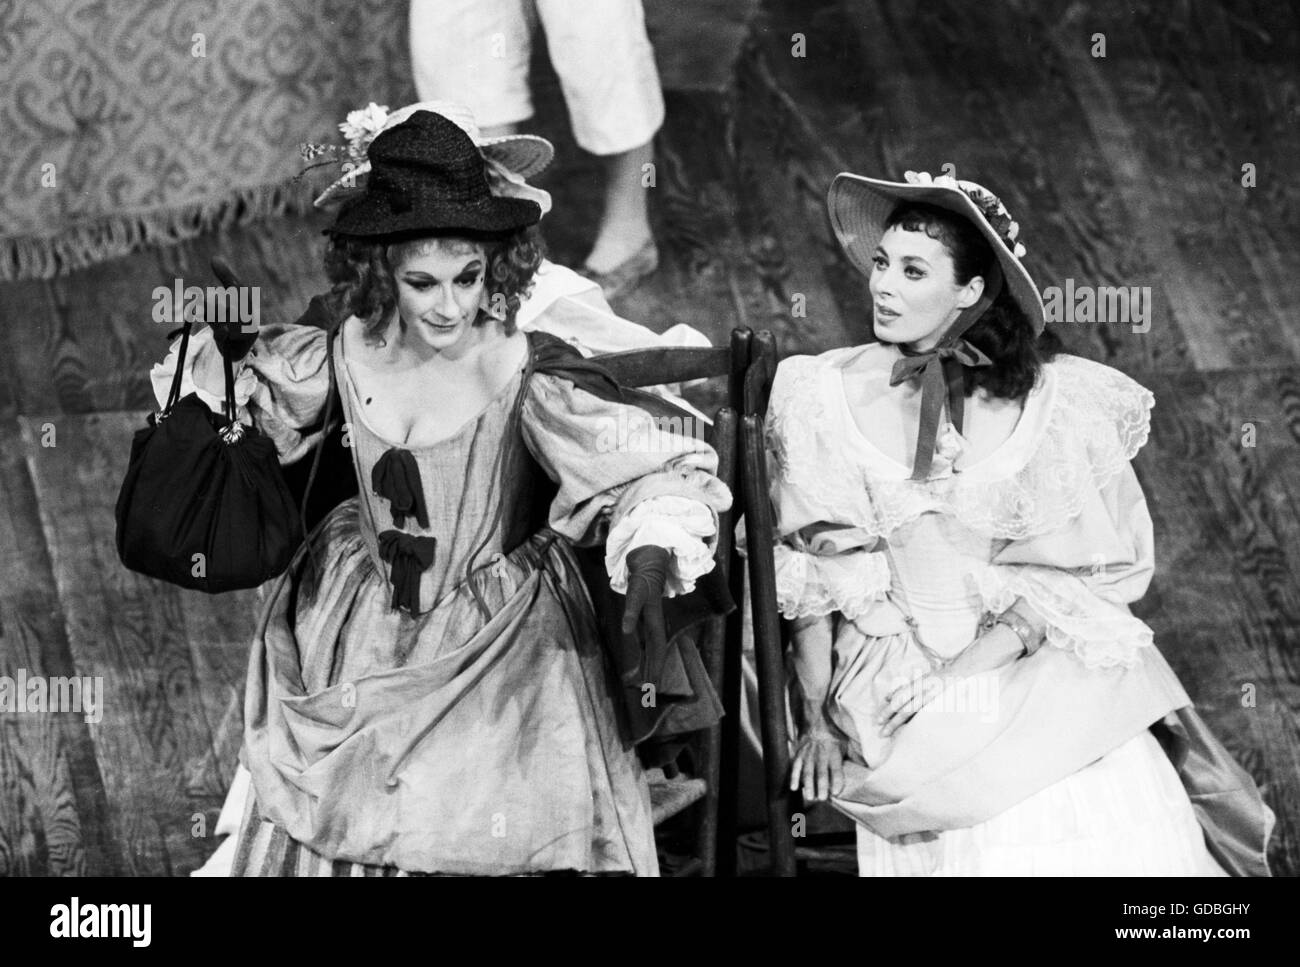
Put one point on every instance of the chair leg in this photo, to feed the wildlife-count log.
(729, 734)
(720, 745)
(767, 645)
(710, 761)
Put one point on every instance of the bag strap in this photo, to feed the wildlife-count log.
(229, 369)
(174, 394)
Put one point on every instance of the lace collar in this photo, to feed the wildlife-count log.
(1080, 426)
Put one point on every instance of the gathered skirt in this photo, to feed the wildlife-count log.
(1127, 814)
(479, 738)
(1039, 768)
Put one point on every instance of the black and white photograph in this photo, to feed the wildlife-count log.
(809, 439)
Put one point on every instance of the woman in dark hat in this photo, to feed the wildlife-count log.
(960, 536)
(428, 691)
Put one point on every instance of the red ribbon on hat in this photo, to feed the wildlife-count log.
(941, 374)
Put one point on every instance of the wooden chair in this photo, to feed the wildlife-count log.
(769, 650)
(752, 360)
(711, 790)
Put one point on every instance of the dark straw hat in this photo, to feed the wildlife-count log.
(427, 175)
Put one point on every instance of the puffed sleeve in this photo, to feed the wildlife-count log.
(280, 387)
(626, 477)
(1081, 577)
(827, 556)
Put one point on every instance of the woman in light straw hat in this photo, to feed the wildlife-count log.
(960, 535)
(430, 689)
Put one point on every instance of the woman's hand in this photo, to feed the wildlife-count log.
(996, 647)
(819, 763)
(908, 699)
(643, 609)
(232, 337)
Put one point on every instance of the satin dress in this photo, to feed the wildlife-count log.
(428, 692)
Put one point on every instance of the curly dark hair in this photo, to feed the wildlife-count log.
(1004, 332)
(360, 271)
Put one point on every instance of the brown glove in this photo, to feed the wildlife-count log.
(233, 342)
(647, 569)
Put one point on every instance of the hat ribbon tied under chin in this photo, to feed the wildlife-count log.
(941, 373)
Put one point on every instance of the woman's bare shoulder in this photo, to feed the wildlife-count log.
(503, 356)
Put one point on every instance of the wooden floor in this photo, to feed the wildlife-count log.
(1123, 170)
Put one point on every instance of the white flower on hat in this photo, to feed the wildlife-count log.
(925, 178)
(990, 205)
(361, 127)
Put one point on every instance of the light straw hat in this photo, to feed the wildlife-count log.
(860, 206)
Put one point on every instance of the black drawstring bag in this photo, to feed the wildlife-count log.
(204, 504)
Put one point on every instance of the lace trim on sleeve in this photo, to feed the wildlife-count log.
(805, 453)
(682, 525)
(1101, 633)
(813, 585)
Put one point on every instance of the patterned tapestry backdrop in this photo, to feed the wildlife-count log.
(137, 121)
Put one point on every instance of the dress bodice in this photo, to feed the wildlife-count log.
(581, 459)
(934, 559)
(429, 512)
(1053, 515)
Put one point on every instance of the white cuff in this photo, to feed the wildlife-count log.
(681, 525)
(200, 347)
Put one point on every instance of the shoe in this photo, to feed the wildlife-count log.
(627, 275)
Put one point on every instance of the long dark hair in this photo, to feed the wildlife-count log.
(1003, 333)
(360, 271)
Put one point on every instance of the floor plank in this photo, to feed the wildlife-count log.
(130, 631)
(55, 813)
(1224, 517)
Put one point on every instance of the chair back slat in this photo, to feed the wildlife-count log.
(762, 370)
(666, 364)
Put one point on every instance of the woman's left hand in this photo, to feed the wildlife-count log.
(990, 651)
(647, 572)
(908, 699)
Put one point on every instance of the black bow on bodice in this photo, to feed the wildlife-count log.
(396, 478)
(408, 557)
